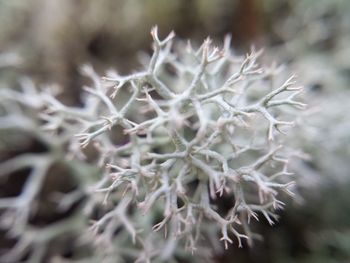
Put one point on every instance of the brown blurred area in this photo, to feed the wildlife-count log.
(55, 38)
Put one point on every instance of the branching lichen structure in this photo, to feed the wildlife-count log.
(187, 151)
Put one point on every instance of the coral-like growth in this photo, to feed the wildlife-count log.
(196, 148)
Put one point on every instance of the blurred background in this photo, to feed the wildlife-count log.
(48, 40)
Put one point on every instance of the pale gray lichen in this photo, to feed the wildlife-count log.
(197, 127)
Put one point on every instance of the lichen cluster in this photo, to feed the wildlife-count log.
(190, 146)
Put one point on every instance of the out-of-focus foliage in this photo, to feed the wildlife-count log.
(56, 37)
(314, 37)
